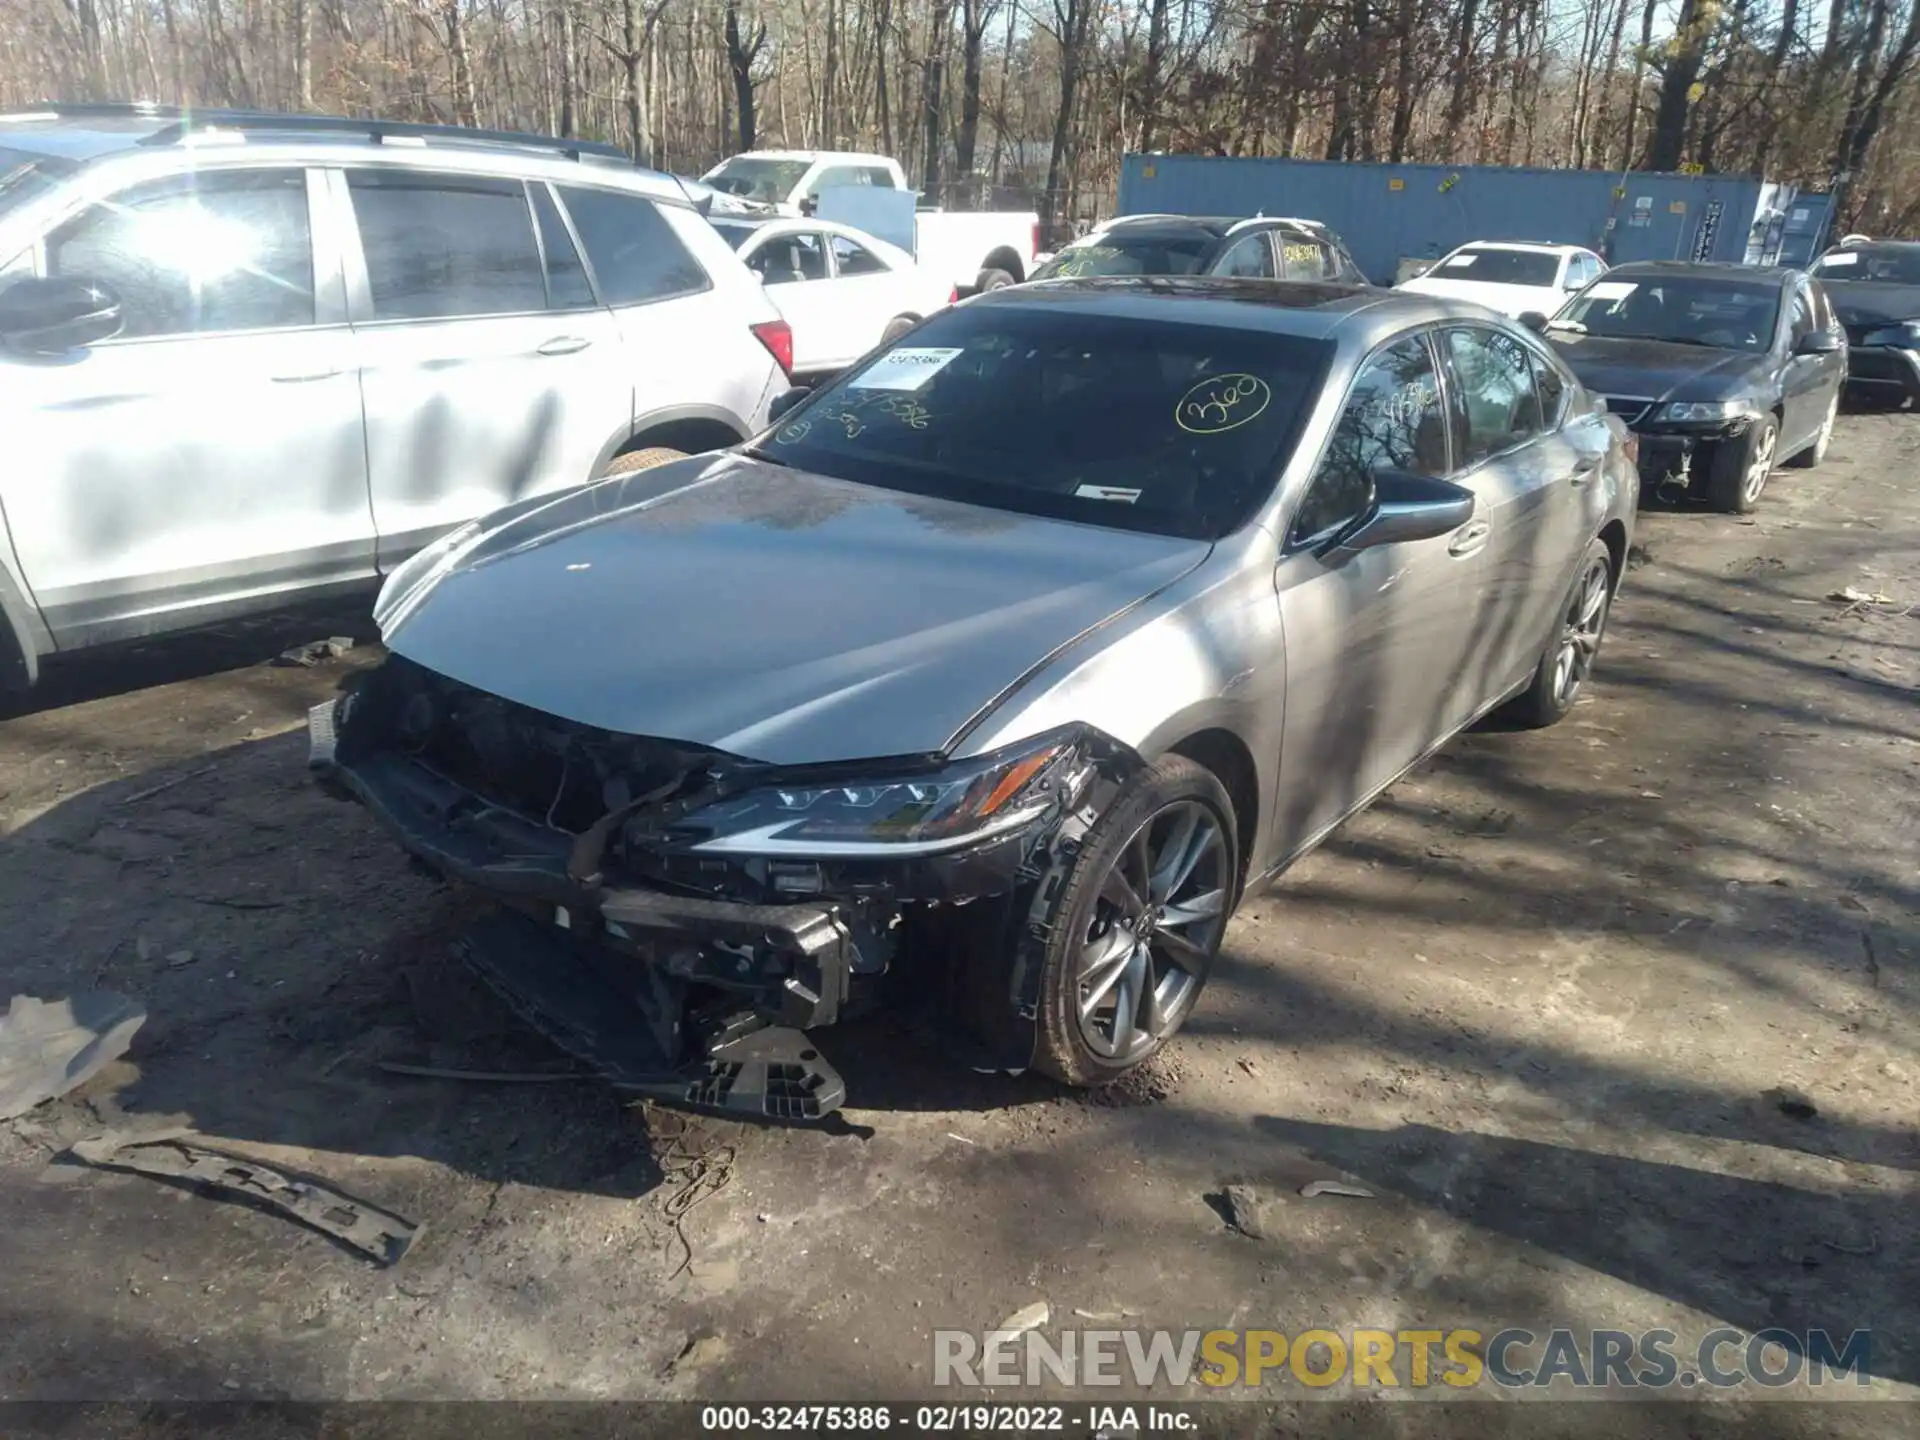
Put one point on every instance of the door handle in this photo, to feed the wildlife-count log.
(565, 345)
(1469, 539)
(303, 378)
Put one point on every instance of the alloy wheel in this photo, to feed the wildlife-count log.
(1761, 464)
(1580, 635)
(1157, 920)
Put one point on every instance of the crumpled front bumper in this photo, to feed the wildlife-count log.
(696, 999)
(606, 972)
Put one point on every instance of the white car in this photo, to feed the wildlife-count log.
(843, 291)
(974, 249)
(1512, 277)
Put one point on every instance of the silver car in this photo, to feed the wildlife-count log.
(991, 676)
(251, 359)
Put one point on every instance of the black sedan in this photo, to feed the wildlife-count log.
(1875, 290)
(1724, 371)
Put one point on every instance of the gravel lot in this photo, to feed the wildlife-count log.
(1543, 999)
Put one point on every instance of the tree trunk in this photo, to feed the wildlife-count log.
(632, 90)
(1149, 100)
(1073, 17)
(740, 58)
(1463, 45)
(939, 31)
(93, 59)
(463, 109)
(1666, 146)
(1639, 80)
(303, 54)
(569, 68)
(1861, 129)
(829, 74)
(1404, 41)
(974, 18)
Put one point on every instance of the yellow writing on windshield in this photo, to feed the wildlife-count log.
(1222, 402)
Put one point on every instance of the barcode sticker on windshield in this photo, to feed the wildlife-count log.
(1460, 262)
(1107, 492)
(1828, 262)
(907, 369)
(1611, 290)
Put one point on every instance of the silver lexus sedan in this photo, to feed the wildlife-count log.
(989, 678)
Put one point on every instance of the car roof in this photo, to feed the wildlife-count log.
(1309, 309)
(1538, 247)
(852, 156)
(1862, 247)
(83, 133)
(1701, 269)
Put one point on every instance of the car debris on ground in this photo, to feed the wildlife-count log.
(166, 1155)
(48, 1047)
(314, 651)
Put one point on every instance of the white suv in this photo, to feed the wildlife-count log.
(250, 359)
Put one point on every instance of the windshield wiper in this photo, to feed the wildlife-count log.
(1684, 340)
(754, 452)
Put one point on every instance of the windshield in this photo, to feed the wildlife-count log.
(24, 175)
(735, 232)
(1121, 254)
(1499, 267)
(757, 178)
(1885, 265)
(1684, 309)
(1141, 425)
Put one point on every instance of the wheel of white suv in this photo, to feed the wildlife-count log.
(637, 460)
(1138, 924)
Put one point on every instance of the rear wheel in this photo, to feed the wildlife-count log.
(1569, 656)
(637, 460)
(992, 280)
(1817, 451)
(1138, 924)
(1739, 469)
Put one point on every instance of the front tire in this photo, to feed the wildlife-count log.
(1570, 653)
(993, 280)
(1740, 467)
(1138, 924)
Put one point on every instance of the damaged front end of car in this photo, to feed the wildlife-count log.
(677, 917)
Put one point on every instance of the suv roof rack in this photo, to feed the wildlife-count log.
(179, 123)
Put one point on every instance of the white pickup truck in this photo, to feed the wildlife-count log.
(971, 250)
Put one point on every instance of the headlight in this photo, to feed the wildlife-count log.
(1907, 333)
(1707, 410)
(963, 804)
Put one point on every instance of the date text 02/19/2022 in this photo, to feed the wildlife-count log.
(1098, 1422)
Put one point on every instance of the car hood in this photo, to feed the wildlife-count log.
(1657, 370)
(1863, 304)
(1514, 300)
(767, 612)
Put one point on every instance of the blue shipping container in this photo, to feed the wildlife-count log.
(1393, 214)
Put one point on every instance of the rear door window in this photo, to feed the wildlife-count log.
(790, 259)
(567, 287)
(1249, 258)
(635, 255)
(446, 246)
(1307, 256)
(1497, 399)
(851, 258)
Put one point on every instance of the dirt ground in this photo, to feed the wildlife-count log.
(1555, 1000)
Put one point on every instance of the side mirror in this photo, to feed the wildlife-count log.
(1408, 507)
(51, 317)
(784, 402)
(1535, 321)
(1819, 342)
